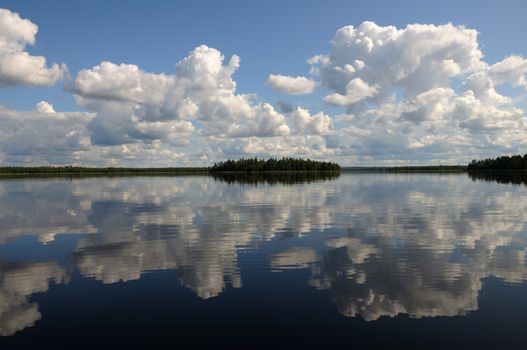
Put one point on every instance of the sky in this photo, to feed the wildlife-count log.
(185, 83)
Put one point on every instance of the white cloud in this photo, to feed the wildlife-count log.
(307, 146)
(127, 99)
(356, 90)
(420, 94)
(302, 121)
(291, 85)
(416, 58)
(45, 107)
(18, 67)
(512, 69)
(42, 136)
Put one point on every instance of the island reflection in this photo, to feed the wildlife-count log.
(383, 244)
(275, 178)
(503, 177)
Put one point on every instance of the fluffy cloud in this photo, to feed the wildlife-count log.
(45, 107)
(302, 120)
(17, 67)
(420, 94)
(43, 136)
(133, 105)
(512, 69)
(291, 85)
(313, 146)
(356, 90)
(195, 115)
(375, 59)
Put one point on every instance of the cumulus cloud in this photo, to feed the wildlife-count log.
(302, 120)
(356, 90)
(17, 66)
(133, 105)
(291, 85)
(195, 109)
(512, 69)
(45, 107)
(42, 136)
(416, 58)
(422, 93)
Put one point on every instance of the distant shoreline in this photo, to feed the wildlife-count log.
(409, 169)
(67, 171)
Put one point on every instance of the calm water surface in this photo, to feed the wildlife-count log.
(360, 260)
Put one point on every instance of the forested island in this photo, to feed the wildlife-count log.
(507, 163)
(273, 164)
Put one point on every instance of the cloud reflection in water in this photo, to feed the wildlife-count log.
(383, 244)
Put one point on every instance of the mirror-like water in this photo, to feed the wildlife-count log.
(359, 259)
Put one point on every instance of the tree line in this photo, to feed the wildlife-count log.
(273, 164)
(516, 162)
(74, 170)
(410, 169)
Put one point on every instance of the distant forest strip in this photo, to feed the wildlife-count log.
(504, 163)
(273, 164)
(73, 170)
(410, 169)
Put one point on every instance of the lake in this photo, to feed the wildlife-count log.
(356, 260)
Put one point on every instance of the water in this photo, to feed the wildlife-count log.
(361, 260)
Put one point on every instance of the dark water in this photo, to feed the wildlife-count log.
(360, 260)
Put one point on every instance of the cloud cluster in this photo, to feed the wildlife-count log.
(421, 93)
(418, 94)
(135, 106)
(367, 62)
(17, 66)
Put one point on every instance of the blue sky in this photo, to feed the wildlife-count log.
(270, 37)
